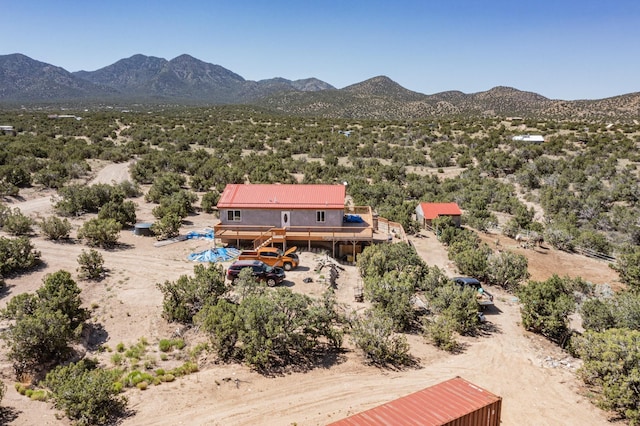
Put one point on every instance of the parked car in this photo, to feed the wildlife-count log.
(262, 271)
(484, 297)
(273, 256)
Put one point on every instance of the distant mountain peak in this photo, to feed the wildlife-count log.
(188, 80)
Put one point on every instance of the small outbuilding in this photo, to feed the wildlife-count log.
(426, 212)
(529, 138)
(455, 402)
(8, 130)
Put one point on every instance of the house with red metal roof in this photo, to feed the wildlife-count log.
(426, 212)
(281, 213)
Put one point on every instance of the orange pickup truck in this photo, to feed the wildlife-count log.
(273, 256)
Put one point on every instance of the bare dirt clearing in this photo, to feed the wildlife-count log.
(537, 389)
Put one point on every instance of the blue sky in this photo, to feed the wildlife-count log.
(562, 49)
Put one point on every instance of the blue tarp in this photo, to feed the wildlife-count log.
(207, 235)
(352, 218)
(215, 255)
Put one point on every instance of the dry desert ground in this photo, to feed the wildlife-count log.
(535, 379)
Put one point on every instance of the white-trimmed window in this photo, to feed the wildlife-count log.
(320, 216)
(234, 216)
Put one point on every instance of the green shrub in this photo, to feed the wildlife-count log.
(374, 335)
(167, 227)
(546, 306)
(45, 323)
(165, 345)
(17, 223)
(17, 255)
(610, 366)
(117, 359)
(87, 394)
(55, 228)
(135, 377)
(185, 297)
(507, 270)
(123, 212)
(100, 232)
(440, 332)
(91, 265)
(457, 307)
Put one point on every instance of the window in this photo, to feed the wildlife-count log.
(320, 216)
(233, 215)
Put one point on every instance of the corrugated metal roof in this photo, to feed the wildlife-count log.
(437, 405)
(433, 210)
(282, 196)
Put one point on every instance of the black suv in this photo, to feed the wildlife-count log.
(262, 271)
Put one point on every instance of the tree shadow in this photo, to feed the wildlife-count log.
(96, 336)
(119, 246)
(488, 329)
(304, 362)
(8, 415)
(492, 310)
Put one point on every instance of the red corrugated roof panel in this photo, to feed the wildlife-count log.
(282, 196)
(455, 401)
(433, 210)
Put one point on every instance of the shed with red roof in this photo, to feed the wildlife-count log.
(426, 212)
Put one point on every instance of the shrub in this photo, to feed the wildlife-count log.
(123, 212)
(87, 394)
(458, 308)
(100, 232)
(91, 265)
(507, 270)
(45, 322)
(17, 255)
(165, 345)
(596, 315)
(184, 298)
(392, 295)
(440, 332)
(374, 335)
(610, 366)
(628, 266)
(209, 201)
(55, 228)
(167, 227)
(17, 223)
(546, 306)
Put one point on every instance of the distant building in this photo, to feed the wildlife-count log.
(64, 116)
(528, 138)
(426, 212)
(8, 130)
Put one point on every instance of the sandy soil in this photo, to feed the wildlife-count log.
(534, 378)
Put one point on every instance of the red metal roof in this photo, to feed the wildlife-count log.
(282, 196)
(433, 210)
(441, 404)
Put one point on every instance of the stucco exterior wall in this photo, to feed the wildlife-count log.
(273, 217)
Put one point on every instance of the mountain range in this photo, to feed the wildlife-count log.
(190, 81)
